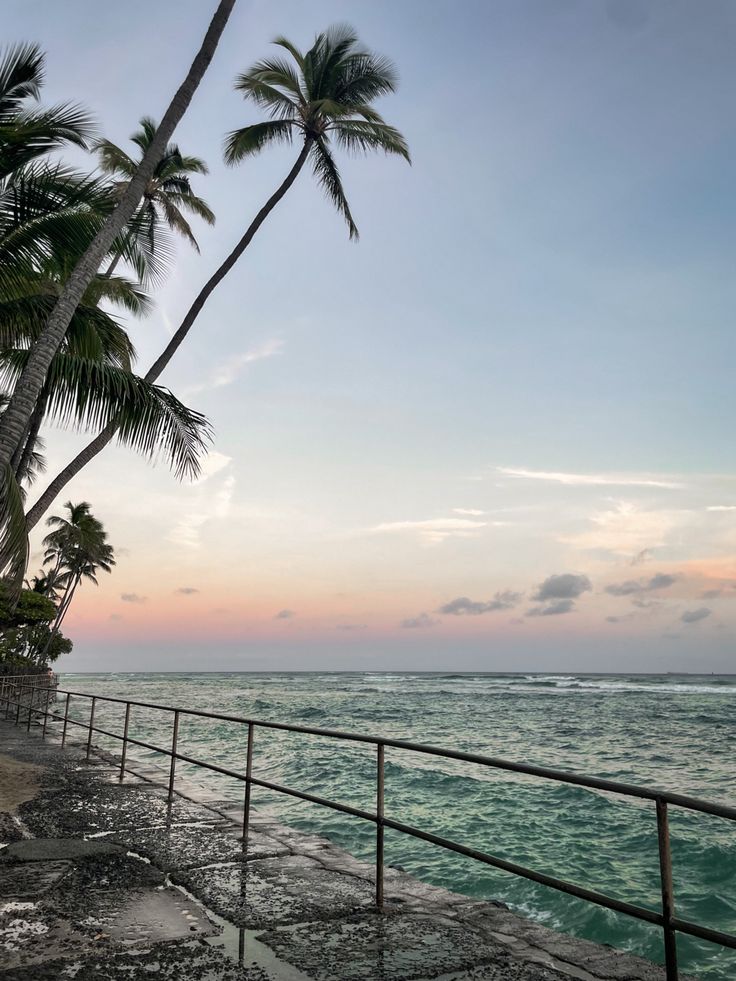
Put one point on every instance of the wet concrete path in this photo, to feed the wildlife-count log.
(100, 880)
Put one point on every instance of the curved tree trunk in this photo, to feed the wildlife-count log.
(103, 438)
(20, 409)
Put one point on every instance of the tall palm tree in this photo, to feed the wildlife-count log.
(166, 195)
(319, 98)
(76, 549)
(28, 389)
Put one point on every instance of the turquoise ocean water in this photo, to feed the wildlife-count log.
(677, 732)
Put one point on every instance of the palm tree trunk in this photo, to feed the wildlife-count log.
(103, 438)
(111, 268)
(61, 613)
(20, 409)
(30, 441)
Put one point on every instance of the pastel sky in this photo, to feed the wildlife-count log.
(496, 434)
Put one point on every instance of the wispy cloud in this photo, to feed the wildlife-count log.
(229, 370)
(284, 615)
(721, 507)
(213, 505)
(213, 463)
(186, 590)
(471, 512)
(625, 529)
(351, 626)
(435, 530)
(133, 598)
(632, 586)
(462, 606)
(421, 622)
(591, 480)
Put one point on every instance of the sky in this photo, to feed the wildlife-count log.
(494, 434)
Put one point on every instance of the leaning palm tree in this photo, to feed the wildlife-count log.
(166, 196)
(18, 413)
(320, 98)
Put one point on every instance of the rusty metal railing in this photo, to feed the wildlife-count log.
(12, 696)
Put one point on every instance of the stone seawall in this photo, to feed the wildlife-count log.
(100, 880)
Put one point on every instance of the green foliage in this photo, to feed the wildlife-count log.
(26, 638)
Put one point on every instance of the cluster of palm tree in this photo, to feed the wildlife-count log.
(77, 248)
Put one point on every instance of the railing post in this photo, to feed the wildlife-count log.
(91, 726)
(46, 713)
(248, 775)
(30, 707)
(174, 741)
(668, 895)
(380, 772)
(17, 706)
(125, 742)
(66, 720)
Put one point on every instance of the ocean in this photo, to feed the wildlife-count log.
(676, 732)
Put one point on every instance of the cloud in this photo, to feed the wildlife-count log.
(213, 463)
(632, 586)
(472, 512)
(565, 586)
(351, 626)
(187, 530)
(721, 507)
(435, 530)
(641, 557)
(625, 529)
(284, 615)
(186, 590)
(133, 598)
(693, 616)
(421, 622)
(711, 594)
(115, 616)
(230, 369)
(559, 606)
(590, 480)
(462, 606)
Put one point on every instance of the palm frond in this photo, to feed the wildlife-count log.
(251, 139)
(359, 136)
(86, 394)
(176, 219)
(113, 160)
(21, 75)
(278, 104)
(13, 536)
(326, 172)
(277, 72)
(194, 204)
(289, 46)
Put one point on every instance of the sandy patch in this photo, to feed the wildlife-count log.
(19, 782)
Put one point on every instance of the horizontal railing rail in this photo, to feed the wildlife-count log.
(23, 697)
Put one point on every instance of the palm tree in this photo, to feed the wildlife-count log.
(320, 97)
(76, 549)
(17, 416)
(167, 194)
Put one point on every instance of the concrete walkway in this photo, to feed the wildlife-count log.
(106, 881)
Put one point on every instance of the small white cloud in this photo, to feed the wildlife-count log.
(591, 480)
(721, 507)
(471, 512)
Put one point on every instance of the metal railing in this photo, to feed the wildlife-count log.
(13, 695)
